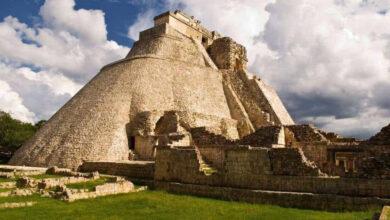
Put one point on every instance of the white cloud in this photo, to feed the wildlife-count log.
(87, 25)
(43, 66)
(330, 60)
(41, 92)
(143, 22)
(242, 20)
(12, 103)
(56, 48)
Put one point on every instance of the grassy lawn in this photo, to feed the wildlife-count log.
(161, 205)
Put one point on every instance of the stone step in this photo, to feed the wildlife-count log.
(206, 169)
(286, 199)
(203, 166)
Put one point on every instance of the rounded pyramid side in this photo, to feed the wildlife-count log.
(92, 125)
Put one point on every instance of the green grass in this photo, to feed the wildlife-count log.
(2, 180)
(161, 205)
(4, 190)
(90, 185)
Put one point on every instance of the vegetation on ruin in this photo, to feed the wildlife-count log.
(2, 180)
(90, 185)
(46, 176)
(160, 205)
(4, 190)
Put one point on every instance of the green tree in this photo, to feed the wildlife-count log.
(40, 123)
(13, 133)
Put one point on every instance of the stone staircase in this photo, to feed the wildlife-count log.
(204, 167)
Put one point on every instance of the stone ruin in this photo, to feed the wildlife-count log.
(57, 183)
(181, 112)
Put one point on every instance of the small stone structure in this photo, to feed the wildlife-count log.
(182, 112)
(385, 215)
(56, 187)
(16, 205)
(103, 190)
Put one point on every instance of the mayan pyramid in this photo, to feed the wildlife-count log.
(176, 66)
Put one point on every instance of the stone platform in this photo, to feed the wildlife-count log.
(131, 169)
(286, 199)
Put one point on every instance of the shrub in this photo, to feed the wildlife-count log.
(13, 133)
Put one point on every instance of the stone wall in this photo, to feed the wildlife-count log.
(209, 136)
(164, 41)
(181, 165)
(237, 111)
(251, 99)
(251, 102)
(291, 162)
(286, 199)
(186, 25)
(227, 54)
(382, 137)
(255, 106)
(106, 189)
(133, 169)
(245, 166)
(374, 162)
(317, 153)
(213, 155)
(306, 133)
(271, 101)
(252, 168)
(267, 136)
(146, 123)
(144, 147)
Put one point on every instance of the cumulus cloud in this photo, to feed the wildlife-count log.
(60, 15)
(330, 62)
(329, 59)
(42, 66)
(41, 92)
(243, 20)
(11, 102)
(143, 22)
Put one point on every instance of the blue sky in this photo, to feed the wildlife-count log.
(119, 14)
(329, 60)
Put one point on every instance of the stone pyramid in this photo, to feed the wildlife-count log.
(178, 66)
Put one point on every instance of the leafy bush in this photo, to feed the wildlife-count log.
(13, 133)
